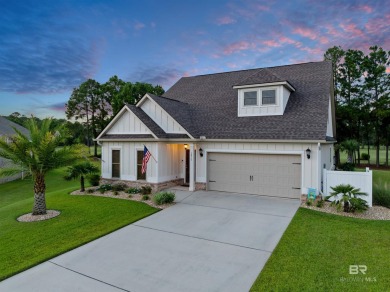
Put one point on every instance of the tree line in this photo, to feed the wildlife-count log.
(361, 91)
(95, 104)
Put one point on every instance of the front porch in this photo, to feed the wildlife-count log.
(171, 164)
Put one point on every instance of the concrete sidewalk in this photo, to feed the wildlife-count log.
(208, 241)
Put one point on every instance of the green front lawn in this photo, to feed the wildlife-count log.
(82, 219)
(317, 249)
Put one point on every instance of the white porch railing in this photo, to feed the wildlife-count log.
(361, 180)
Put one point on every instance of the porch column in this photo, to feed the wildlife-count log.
(192, 168)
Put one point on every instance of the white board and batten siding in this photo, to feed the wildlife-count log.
(169, 166)
(128, 160)
(161, 117)
(128, 123)
(309, 167)
(171, 163)
(361, 180)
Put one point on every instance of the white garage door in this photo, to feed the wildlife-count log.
(260, 174)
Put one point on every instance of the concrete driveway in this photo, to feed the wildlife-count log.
(209, 241)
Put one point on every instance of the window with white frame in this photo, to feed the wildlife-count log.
(250, 98)
(268, 97)
(116, 163)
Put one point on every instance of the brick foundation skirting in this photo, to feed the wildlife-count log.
(200, 186)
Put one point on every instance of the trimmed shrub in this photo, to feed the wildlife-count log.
(94, 179)
(145, 197)
(90, 191)
(163, 198)
(116, 193)
(130, 196)
(381, 194)
(364, 156)
(146, 190)
(104, 188)
(309, 202)
(347, 166)
(320, 204)
(133, 191)
(119, 187)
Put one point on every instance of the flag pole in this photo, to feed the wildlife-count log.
(150, 153)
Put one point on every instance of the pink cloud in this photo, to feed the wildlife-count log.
(365, 8)
(324, 40)
(333, 31)
(237, 47)
(287, 40)
(313, 51)
(352, 29)
(378, 25)
(271, 43)
(306, 32)
(225, 20)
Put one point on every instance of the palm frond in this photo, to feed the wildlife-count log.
(10, 171)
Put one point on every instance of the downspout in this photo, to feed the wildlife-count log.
(319, 168)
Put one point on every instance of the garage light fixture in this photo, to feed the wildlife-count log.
(308, 151)
(185, 146)
(201, 152)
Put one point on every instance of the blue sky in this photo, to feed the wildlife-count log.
(49, 47)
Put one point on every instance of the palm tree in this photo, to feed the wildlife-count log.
(346, 196)
(39, 154)
(349, 146)
(80, 171)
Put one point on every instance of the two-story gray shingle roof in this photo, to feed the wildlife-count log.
(206, 105)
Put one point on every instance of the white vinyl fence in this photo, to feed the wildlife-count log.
(361, 180)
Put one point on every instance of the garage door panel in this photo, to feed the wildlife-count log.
(272, 175)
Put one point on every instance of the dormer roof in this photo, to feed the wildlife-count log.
(263, 77)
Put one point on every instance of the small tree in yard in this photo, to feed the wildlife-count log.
(349, 200)
(39, 154)
(80, 171)
(349, 146)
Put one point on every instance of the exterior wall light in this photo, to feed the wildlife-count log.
(185, 146)
(201, 152)
(308, 151)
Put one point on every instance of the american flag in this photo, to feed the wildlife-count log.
(145, 160)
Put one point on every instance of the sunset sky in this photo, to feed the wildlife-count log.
(49, 47)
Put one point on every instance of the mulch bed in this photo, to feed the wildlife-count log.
(33, 218)
(123, 196)
(373, 213)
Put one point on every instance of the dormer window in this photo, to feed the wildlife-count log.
(268, 97)
(250, 98)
